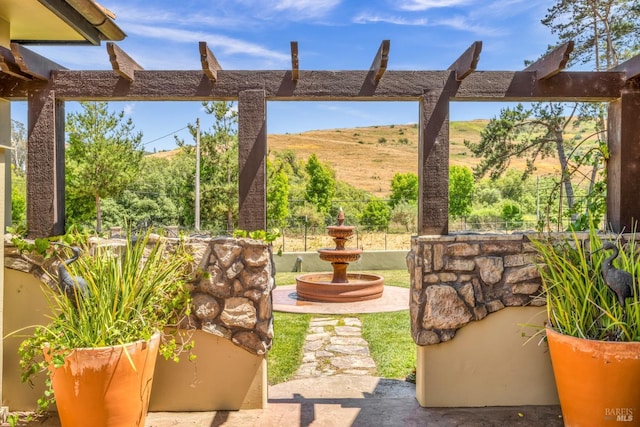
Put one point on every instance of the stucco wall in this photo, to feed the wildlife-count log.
(223, 376)
(470, 296)
(489, 363)
(308, 262)
(232, 285)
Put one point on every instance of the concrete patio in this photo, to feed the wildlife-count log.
(351, 401)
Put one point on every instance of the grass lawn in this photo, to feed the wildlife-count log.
(388, 334)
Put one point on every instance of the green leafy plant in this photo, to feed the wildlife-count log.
(131, 293)
(264, 235)
(579, 303)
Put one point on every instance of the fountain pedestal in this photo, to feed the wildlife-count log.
(339, 286)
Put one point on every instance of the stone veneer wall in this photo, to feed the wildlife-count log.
(231, 285)
(457, 279)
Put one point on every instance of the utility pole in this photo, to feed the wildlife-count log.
(197, 208)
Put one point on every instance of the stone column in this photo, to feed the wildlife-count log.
(252, 152)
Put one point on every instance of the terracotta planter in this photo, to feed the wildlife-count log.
(103, 387)
(598, 381)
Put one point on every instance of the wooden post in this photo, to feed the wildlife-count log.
(45, 164)
(252, 152)
(5, 211)
(433, 163)
(623, 167)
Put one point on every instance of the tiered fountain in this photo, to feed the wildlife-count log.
(339, 286)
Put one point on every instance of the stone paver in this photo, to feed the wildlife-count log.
(335, 347)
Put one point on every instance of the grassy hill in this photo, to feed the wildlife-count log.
(368, 157)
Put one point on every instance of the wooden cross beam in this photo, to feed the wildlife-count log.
(631, 67)
(210, 65)
(294, 61)
(9, 66)
(467, 62)
(553, 62)
(33, 64)
(379, 65)
(122, 63)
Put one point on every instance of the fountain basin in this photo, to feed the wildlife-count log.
(345, 255)
(359, 287)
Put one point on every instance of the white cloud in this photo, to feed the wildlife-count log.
(464, 24)
(459, 23)
(307, 7)
(224, 44)
(365, 18)
(420, 5)
(183, 18)
(128, 109)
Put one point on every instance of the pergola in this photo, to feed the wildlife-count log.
(47, 86)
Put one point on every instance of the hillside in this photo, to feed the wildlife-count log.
(362, 160)
(368, 157)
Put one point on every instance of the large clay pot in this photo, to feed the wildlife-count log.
(105, 386)
(598, 381)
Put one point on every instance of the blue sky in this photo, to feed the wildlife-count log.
(331, 34)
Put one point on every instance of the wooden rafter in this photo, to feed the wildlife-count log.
(9, 66)
(379, 65)
(122, 63)
(295, 65)
(33, 64)
(210, 65)
(631, 67)
(467, 62)
(553, 62)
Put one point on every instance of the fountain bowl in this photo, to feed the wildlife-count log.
(360, 287)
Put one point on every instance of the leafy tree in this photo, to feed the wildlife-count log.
(375, 215)
(604, 31)
(277, 196)
(18, 197)
(405, 214)
(103, 157)
(404, 187)
(511, 214)
(320, 188)
(486, 193)
(484, 217)
(19, 145)
(308, 215)
(147, 201)
(218, 166)
(350, 199)
(460, 191)
(181, 188)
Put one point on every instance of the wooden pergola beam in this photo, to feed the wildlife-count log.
(379, 64)
(467, 62)
(210, 65)
(295, 63)
(553, 62)
(33, 64)
(122, 63)
(631, 67)
(152, 85)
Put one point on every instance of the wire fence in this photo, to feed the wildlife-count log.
(311, 238)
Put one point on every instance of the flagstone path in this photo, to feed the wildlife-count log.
(335, 347)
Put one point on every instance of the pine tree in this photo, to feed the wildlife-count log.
(103, 158)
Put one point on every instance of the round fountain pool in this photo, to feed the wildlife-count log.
(359, 287)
